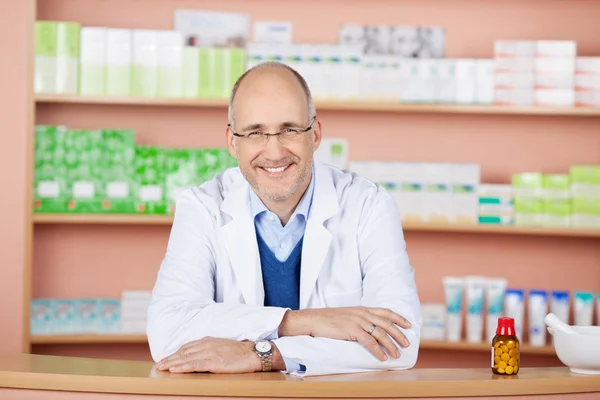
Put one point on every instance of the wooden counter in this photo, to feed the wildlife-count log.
(50, 373)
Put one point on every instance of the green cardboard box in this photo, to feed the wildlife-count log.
(118, 153)
(529, 212)
(191, 72)
(585, 181)
(67, 57)
(83, 155)
(528, 185)
(586, 212)
(45, 57)
(207, 79)
(556, 187)
(50, 173)
(150, 180)
(557, 213)
(180, 171)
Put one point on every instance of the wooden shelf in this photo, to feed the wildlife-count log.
(330, 105)
(88, 339)
(123, 338)
(127, 219)
(103, 219)
(466, 346)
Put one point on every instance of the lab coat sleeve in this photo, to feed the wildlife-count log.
(388, 282)
(183, 308)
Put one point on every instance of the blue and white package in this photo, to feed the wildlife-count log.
(560, 305)
(514, 307)
(41, 316)
(87, 315)
(109, 315)
(64, 316)
(537, 310)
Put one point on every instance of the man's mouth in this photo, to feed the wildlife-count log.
(275, 170)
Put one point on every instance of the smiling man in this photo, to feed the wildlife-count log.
(283, 263)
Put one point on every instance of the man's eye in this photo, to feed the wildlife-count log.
(255, 134)
(290, 130)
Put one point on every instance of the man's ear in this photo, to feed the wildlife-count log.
(317, 135)
(230, 142)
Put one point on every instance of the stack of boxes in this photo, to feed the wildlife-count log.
(75, 316)
(555, 73)
(515, 64)
(427, 192)
(496, 204)
(535, 72)
(134, 310)
(56, 57)
(529, 204)
(103, 171)
(99, 61)
(587, 82)
(585, 189)
(557, 200)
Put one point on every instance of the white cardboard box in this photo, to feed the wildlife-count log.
(555, 97)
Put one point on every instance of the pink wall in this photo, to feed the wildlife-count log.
(82, 260)
(15, 109)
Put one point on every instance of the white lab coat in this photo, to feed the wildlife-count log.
(210, 282)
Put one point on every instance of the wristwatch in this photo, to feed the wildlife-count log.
(264, 349)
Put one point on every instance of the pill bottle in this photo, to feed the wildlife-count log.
(506, 355)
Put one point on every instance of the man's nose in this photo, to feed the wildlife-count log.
(273, 149)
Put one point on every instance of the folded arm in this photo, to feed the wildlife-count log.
(183, 308)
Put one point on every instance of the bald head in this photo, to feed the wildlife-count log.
(274, 78)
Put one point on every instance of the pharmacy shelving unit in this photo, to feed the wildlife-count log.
(334, 106)
(132, 219)
(84, 111)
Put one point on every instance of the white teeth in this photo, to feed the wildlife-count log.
(272, 170)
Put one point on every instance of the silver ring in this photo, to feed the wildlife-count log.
(371, 329)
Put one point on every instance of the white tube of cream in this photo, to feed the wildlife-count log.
(453, 290)
(537, 310)
(560, 305)
(514, 307)
(584, 308)
(475, 297)
(495, 292)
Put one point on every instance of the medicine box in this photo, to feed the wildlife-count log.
(92, 73)
(83, 157)
(45, 56)
(529, 212)
(50, 172)
(514, 97)
(557, 213)
(86, 316)
(437, 193)
(555, 48)
(556, 186)
(149, 176)
(119, 56)
(528, 185)
(555, 97)
(586, 212)
(67, 57)
(180, 174)
(109, 316)
(465, 182)
(42, 316)
(144, 79)
(411, 197)
(117, 166)
(585, 181)
(514, 48)
(434, 321)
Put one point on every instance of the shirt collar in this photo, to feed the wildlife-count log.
(303, 208)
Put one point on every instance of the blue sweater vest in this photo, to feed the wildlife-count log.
(281, 280)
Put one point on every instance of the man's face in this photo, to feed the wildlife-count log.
(271, 101)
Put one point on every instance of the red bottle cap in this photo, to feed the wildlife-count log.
(506, 326)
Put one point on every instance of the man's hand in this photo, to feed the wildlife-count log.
(350, 323)
(213, 355)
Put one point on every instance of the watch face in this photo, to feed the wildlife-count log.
(263, 346)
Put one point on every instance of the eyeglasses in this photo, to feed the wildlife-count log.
(286, 135)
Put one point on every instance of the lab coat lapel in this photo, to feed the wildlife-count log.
(239, 239)
(317, 239)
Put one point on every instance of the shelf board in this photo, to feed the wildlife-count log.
(133, 219)
(124, 338)
(88, 339)
(102, 219)
(330, 105)
(466, 346)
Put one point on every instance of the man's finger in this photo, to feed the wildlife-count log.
(170, 361)
(391, 329)
(392, 316)
(195, 365)
(371, 344)
(385, 341)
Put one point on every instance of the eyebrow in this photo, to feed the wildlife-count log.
(286, 124)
